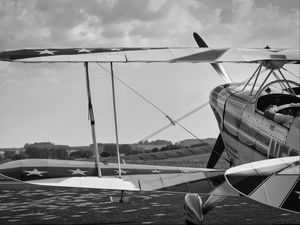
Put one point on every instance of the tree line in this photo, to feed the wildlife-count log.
(63, 152)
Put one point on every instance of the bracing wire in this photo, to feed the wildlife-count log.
(290, 73)
(176, 121)
(137, 93)
(172, 122)
(183, 117)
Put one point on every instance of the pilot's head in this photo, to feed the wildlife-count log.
(272, 108)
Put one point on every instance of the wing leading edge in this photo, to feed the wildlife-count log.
(164, 54)
(67, 173)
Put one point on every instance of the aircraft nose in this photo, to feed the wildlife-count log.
(11, 169)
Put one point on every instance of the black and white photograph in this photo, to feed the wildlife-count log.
(150, 112)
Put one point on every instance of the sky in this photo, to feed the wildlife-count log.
(47, 102)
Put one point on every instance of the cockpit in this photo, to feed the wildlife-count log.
(279, 101)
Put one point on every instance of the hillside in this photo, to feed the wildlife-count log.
(186, 157)
(195, 156)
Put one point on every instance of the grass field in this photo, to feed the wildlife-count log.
(186, 157)
(27, 204)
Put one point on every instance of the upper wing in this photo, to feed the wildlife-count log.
(172, 55)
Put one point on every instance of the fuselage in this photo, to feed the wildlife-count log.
(247, 133)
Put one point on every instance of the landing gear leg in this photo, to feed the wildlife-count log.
(118, 198)
(121, 198)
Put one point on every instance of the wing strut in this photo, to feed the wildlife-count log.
(92, 118)
(115, 117)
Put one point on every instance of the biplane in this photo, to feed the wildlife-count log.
(259, 123)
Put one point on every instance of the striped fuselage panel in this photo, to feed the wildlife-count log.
(249, 136)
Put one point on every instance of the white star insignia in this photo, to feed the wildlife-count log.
(155, 171)
(83, 50)
(78, 171)
(35, 172)
(46, 51)
(298, 192)
(122, 171)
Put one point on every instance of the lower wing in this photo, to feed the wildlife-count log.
(274, 182)
(68, 173)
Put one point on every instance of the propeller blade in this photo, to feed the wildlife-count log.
(216, 153)
(217, 66)
(200, 42)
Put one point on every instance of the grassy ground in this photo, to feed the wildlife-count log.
(27, 204)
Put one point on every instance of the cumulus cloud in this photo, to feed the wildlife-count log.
(226, 16)
(70, 23)
(114, 23)
(253, 24)
(73, 22)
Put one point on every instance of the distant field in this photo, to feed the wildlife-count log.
(166, 154)
(186, 157)
(197, 161)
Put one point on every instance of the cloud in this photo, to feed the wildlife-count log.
(70, 23)
(109, 23)
(248, 24)
(96, 21)
(227, 16)
(278, 29)
(31, 23)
